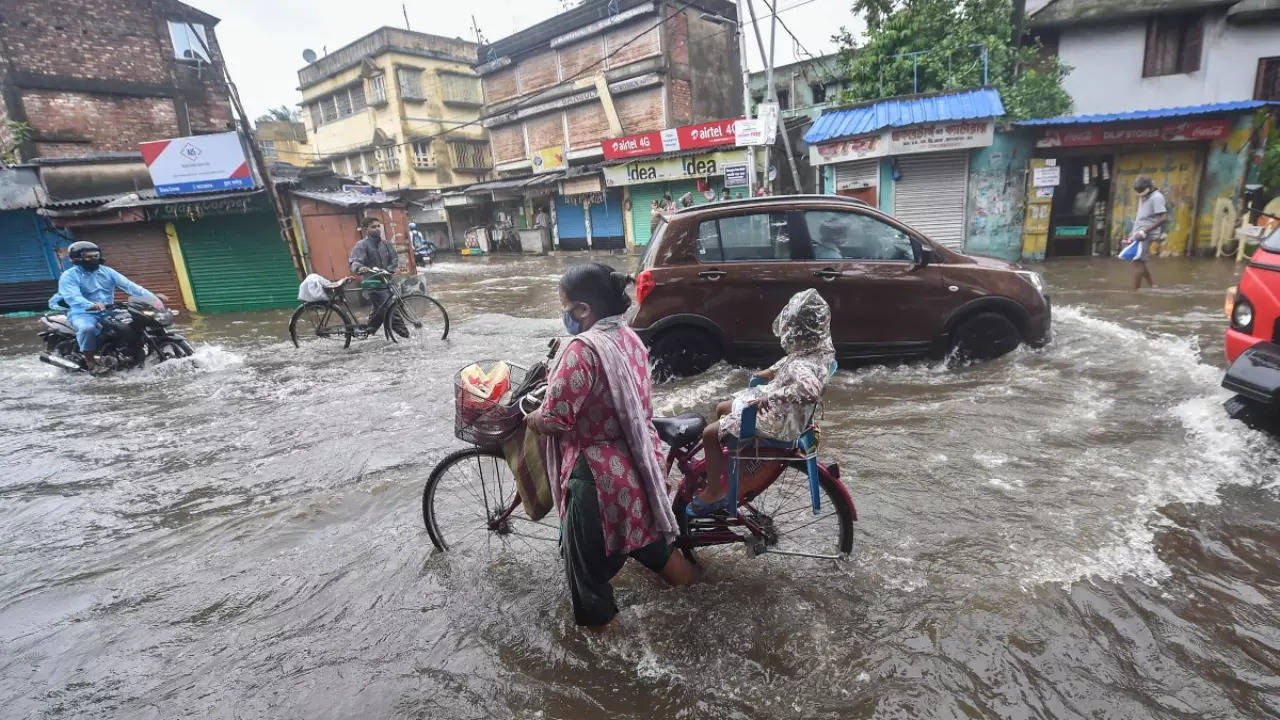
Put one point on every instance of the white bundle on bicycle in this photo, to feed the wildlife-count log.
(313, 288)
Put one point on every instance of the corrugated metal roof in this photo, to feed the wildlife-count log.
(1184, 111)
(348, 199)
(515, 182)
(899, 112)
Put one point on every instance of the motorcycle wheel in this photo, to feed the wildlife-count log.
(174, 349)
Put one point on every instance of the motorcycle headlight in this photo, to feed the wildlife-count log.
(1242, 314)
(1034, 278)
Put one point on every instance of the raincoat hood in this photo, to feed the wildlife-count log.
(804, 325)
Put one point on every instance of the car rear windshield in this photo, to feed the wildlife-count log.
(655, 238)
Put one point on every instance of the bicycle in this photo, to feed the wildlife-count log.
(470, 496)
(399, 313)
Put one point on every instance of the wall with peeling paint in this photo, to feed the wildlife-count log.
(1224, 171)
(997, 196)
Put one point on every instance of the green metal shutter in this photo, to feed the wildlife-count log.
(642, 197)
(238, 262)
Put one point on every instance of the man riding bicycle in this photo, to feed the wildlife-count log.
(374, 251)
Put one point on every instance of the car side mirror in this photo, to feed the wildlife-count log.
(926, 255)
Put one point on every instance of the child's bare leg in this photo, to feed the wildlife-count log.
(724, 408)
(714, 455)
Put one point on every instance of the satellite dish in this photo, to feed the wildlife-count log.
(309, 55)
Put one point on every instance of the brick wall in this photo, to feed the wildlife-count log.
(587, 125)
(640, 111)
(681, 103)
(537, 72)
(508, 143)
(678, 38)
(104, 71)
(499, 86)
(647, 45)
(545, 131)
(575, 59)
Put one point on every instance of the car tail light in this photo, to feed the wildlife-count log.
(644, 286)
(1229, 305)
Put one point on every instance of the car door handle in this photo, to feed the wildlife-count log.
(712, 274)
(827, 274)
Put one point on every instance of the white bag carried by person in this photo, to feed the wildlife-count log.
(313, 288)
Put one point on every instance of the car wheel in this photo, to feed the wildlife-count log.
(984, 336)
(682, 352)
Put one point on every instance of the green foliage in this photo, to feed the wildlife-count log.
(19, 133)
(950, 36)
(1269, 170)
(284, 113)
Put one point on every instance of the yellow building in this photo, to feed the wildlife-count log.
(399, 109)
(285, 142)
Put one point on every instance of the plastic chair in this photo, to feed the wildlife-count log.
(806, 443)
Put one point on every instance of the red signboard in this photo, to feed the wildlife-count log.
(688, 137)
(1182, 130)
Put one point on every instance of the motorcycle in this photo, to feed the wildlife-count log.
(425, 255)
(132, 332)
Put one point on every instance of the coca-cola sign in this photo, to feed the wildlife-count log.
(1173, 131)
(687, 137)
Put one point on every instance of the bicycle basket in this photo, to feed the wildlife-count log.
(487, 420)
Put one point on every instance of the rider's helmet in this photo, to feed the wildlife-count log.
(85, 254)
(413, 226)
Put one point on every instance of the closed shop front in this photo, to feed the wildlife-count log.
(28, 269)
(606, 222)
(140, 252)
(571, 224)
(930, 195)
(642, 197)
(859, 179)
(331, 233)
(238, 262)
(1176, 171)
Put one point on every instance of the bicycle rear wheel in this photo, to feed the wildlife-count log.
(464, 501)
(422, 317)
(319, 323)
(790, 532)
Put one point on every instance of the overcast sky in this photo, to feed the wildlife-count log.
(263, 40)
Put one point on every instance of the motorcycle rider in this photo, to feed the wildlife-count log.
(420, 243)
(87, 288)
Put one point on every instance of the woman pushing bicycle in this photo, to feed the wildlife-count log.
(604, 458)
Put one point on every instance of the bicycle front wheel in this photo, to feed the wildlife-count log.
(319, 323)
(465, 504)
(420, 316)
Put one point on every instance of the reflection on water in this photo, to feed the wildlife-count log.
(1070, 532)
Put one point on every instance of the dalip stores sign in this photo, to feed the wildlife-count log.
(200, 163)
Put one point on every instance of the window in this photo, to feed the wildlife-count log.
(335, 167)
(470, 156)
(421, 153)
(316, 117)
(343, 99)
(378, 89)
(329, 109)
(410, 83)
(1173, 45)
(186, 43)
(1267, 86)
(388, 159)
(850, 236)
(784, 99)
(269, 149)
(343, 103)
(357, 98)
(460, 89)
(366, 162)
(759, 236)
(819, 92)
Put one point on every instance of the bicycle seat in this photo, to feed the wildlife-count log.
(682, 430)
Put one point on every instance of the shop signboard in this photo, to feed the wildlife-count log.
(735, 175)
(1049, 176)
(932, 137)
(687, 137)
(748, 132)
(1173, 131)
(200, 163)
(669, 168)
(548, 159)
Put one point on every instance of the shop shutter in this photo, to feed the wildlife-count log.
(23, 255)
(571, 225)
(642, 197)
(606, 222)
(931, 194)
(140, 252)
(238, 262)
(860, 174)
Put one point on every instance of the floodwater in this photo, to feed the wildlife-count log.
(1074, 532)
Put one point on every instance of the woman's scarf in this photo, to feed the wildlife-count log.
(636, 424)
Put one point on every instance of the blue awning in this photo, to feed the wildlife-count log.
(900, 112)
(1185, 111)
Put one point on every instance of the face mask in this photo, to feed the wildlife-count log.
(91, 265)
(571, 323)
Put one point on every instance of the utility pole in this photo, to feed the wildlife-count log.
(773, 93)
(746, 94)
(283, 217)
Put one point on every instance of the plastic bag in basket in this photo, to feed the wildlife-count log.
(483, 389)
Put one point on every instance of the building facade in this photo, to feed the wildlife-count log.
(285, 142)
(557, 92)
(398, 109)
(93, 76)
(1163, 53)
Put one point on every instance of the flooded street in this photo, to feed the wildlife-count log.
(1072, 532)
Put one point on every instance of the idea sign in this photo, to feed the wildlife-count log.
(201, 163)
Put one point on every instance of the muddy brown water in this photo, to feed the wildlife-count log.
(1073, 532)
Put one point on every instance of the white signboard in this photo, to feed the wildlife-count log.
(1049, 176)
(748, 132)
(660, 169)
(951, 135)
(200, 163)
(767, 114)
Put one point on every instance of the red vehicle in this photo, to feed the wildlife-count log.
(1253, 339)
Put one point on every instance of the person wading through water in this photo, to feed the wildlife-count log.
(1148, 224)
(604, 458)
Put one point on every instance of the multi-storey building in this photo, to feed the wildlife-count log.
(399, 109)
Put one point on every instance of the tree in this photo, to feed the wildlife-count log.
(947, 40)
(284, 113)
(19, 133)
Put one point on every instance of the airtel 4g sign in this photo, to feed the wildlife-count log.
(661, 169)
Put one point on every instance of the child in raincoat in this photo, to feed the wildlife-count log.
(783, 404)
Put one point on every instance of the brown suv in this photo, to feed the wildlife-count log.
(715, 276)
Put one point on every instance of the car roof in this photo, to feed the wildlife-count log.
(768, 201)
